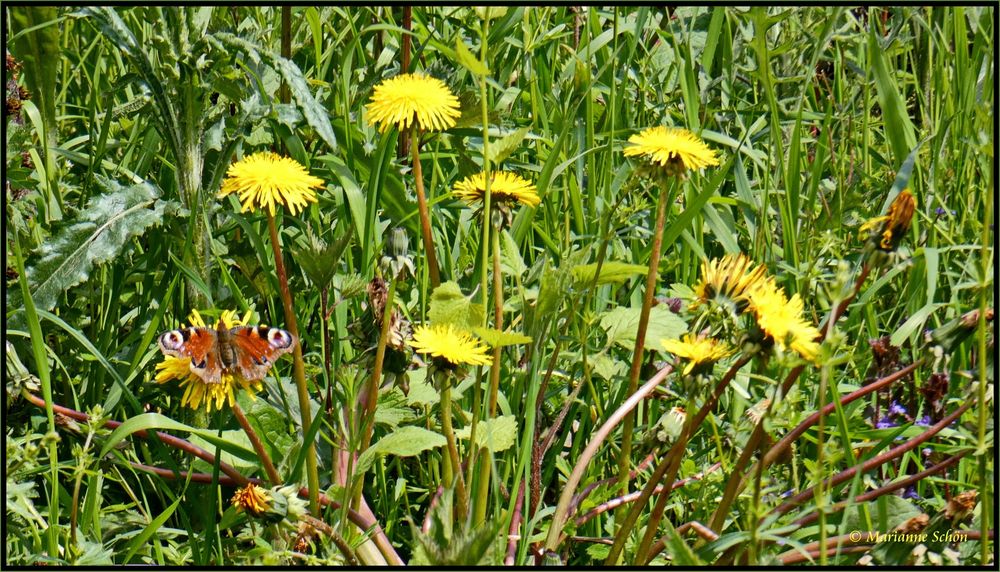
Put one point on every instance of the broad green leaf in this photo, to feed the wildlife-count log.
(621, 325)
(450, 306)
(511, 261)
(913, 324)
(497, 339)
(496, 434)
(469, 61)
(406, 441)
(97, 235)
(898, 126)
(611, 272)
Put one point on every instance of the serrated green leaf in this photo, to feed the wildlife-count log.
(611, 272)
(469, 61)
(98, 235)
(621, 325)
(449, 306)
(501, 148)
(496, 434)
(406, 441)
(392, 409)
(498, 339)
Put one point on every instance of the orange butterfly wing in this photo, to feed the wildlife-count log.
(199, 344)
(257, 347)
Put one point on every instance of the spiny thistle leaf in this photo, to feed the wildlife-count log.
(98, 235)
(501, 148)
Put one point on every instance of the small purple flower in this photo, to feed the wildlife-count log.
(896, 409)
(911, 493)
(885, 423)
(924, 421)
(940, 211)
(926, 451)
(787, 493)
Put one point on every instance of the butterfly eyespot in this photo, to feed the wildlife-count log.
(279, 338)
(198, 365)
(172, 340)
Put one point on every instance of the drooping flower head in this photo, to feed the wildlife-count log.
(266, 179)
(413, 98)
(279, 504)
(451, 346)
(727, 280)
(198, 393)
(697, 350)
(505, 188)
(894, 225)
(780, 319)
(672, 149)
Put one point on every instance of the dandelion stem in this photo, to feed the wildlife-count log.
(272, 473)
(624, 459)
(425, 218)
(298, 368)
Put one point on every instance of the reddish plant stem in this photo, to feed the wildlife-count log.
(874, 461)
(901, 484)
(258, 446)
(674, 459)
(590, 488)
(786, 441)
(631, 497)
(425, 218)
(624, 458)
(175, 442)
(515, 522)
(699, 528)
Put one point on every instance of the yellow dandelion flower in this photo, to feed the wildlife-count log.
(447, 342)
(266, 179)
(413, 98)
(697, 350)
(197, 392)
(674, 149)
(505, 187)
(727, 279)
(894, 225)
(781, 319)
(252, 500)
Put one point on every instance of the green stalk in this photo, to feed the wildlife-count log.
(624, 460)
(298, 369)
(368, 417)
(41, 362)
(452, 468)
(984, 459)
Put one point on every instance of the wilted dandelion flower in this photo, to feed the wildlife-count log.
(893, 225)
(453, 346)
(413, 98)
(196, 391)
(697, 350)
(781, 319)
(252, 499)
(266, 179)
(673, 149)
(505, 188)
(727, 280)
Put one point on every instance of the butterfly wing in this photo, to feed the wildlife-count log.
(199, 344)
(257, 347)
